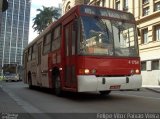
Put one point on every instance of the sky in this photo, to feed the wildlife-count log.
(36, 4)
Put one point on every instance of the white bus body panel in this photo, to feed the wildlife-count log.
(93, 83)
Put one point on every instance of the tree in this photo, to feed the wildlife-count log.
(44, 18)
(4, 5)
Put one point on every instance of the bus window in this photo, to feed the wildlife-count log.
(74, 35)
(39, 53)
(29, 54)
(97, 36)
(46, 44)
(34, 51)
(56, 38)
(124, 39)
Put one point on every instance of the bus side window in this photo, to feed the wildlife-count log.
(74, 36)
(46, 43)
(56, 38)
(29, 53)
(34, 51)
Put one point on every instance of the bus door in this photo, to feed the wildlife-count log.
(70, 51)
(39, 70)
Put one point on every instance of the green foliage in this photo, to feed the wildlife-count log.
(44, 18)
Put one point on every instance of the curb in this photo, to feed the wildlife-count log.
(151, 89)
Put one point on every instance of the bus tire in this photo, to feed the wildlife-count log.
(57, 86)
(107, 92)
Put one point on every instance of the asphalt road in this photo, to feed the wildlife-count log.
(44, 101)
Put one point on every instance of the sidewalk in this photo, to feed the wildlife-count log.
(9, 108)
(152, 88)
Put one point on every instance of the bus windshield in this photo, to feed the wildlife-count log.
(107, 37)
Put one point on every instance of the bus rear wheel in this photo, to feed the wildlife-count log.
(57, 86)
(105, 92)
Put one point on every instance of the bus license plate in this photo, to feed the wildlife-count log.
(115, 87)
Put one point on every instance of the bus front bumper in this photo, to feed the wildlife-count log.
(93, 83)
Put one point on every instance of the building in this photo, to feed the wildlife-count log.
(3, 7)
(14, 31)
(147, 14)
(68, 4)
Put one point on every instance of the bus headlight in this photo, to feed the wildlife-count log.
(86, 71)
(137, 71)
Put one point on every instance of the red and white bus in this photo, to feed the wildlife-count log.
(90, 48)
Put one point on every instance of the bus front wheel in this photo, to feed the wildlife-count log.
(105, 92)
(57, 86)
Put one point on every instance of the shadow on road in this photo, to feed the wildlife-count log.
(85, 96)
